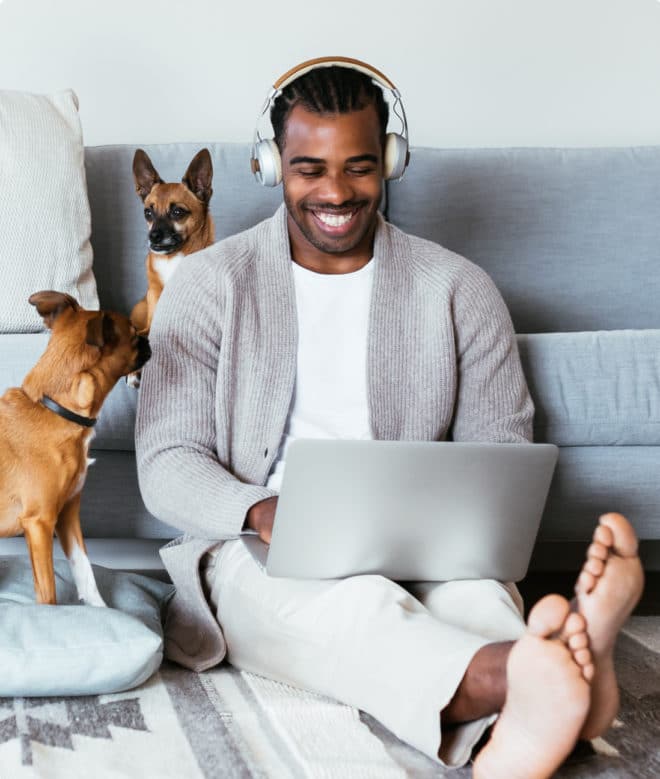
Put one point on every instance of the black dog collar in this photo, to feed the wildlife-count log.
(65, 413)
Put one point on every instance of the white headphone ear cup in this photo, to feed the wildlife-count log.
(395, 158)
(267, 155)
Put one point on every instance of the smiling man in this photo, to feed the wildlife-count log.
(332, 233)
(325, 321)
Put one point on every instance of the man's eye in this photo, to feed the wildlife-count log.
(360, 171)
(309, 172)
(148, 214)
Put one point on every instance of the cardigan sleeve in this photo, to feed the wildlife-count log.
(493, 402)
(181, 478)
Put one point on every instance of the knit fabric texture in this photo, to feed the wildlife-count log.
(442, 358)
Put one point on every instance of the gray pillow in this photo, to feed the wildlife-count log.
(73, 649)
(42, 170)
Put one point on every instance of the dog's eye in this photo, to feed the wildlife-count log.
(148, 214)
(177, 213)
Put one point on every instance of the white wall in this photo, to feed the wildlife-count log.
(472, 72)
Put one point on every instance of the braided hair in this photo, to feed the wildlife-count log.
(328, 90)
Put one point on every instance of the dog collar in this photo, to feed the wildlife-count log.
(65, 413)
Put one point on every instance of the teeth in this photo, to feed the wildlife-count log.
(334, 220)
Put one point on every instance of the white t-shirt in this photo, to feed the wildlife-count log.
(330, 395)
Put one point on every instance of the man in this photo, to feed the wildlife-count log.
(326, 321)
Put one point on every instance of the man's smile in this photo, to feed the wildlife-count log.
(334, 222)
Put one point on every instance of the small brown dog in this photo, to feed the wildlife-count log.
(179, 224)
(45, 431)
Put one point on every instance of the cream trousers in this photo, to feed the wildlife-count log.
(396, 653)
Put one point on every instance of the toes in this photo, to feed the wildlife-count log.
(623, 534)
(575, 624)
(582, 657)
(575, 636)
(613, 534)
(597, 555)
(588, 671)
(594, 566)
(585, 582)
(603, 535)
(548, 615)
(585, 661)
(599, 551)
(578, 641)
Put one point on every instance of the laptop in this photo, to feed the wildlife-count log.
(411, 511)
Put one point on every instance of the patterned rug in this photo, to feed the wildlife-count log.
(225, 723)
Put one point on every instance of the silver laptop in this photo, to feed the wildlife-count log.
(411, 511)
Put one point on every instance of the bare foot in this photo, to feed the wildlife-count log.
(607, 589)
(547, 698)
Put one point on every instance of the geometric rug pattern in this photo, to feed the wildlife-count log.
(226, 723)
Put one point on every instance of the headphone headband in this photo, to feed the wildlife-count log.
(265, 160)
(305, 67)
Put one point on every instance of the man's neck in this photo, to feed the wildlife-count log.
(332, 265)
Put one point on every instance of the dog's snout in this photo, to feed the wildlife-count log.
(163, 238)
(144, 350)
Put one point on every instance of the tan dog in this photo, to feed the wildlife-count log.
(45, 430)
(179, 224)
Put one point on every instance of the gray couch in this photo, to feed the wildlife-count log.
(571, 238)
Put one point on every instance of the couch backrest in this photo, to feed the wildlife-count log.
(570, 236)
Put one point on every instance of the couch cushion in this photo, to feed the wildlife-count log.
(72, 649)
(590, 389)
(111, 504)
(570, 236)
(591, 480)
(44, 211)
(594, 389)
(18, 354)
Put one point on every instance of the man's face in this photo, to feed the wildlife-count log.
(332, 175)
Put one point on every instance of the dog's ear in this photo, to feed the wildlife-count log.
(101, 331)
(51, 304)
(199, 175)
(144, 174)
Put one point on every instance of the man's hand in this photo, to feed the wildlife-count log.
(261, 517)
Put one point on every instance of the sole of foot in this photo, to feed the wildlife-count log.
(547, 697)
(607, 590)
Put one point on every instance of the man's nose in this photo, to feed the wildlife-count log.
(337, 188)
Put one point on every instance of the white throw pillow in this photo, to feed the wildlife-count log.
(45, 221)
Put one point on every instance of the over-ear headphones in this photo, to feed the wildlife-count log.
(266, 162)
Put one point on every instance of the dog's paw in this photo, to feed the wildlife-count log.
(133, 380)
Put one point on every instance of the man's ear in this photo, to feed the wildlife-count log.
(101, 331)
(145, 175)
(199, 175)
(51, 304)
